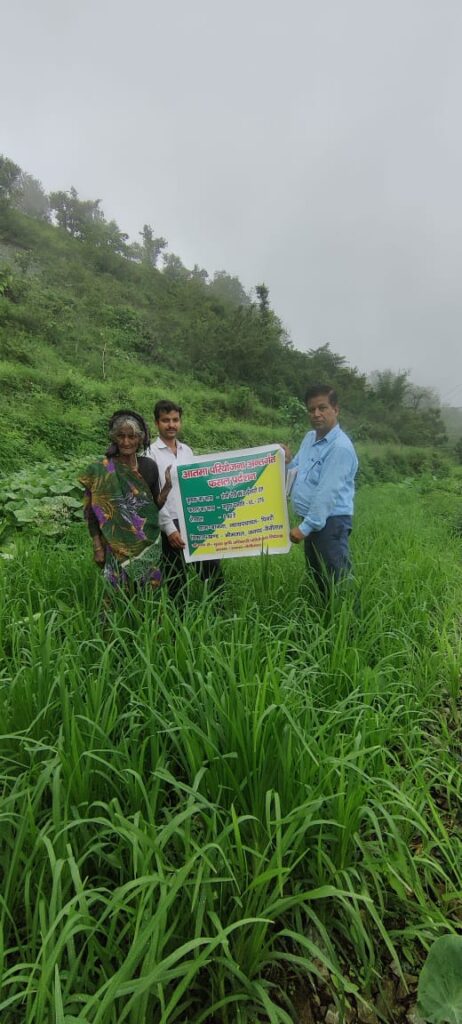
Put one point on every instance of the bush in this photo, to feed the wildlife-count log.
(391, 463)
(43, 498)
(458, 450)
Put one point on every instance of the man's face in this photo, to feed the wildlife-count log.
(323, 416)
(168, 425)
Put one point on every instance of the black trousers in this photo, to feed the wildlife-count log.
(175, 567)
(327, 552)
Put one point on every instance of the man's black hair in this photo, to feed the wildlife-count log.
(321, 389)
(165, 405)
(128, 413)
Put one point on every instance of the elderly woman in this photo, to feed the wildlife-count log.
(122, 498)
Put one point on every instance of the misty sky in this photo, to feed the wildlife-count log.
(316, 146)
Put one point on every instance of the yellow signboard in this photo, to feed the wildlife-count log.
(233, 504)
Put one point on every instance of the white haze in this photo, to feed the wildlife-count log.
(314, 146)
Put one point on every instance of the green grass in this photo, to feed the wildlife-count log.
(198, 811)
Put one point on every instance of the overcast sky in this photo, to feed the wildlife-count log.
(316, 146)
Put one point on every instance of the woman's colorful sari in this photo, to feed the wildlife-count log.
(128, 520)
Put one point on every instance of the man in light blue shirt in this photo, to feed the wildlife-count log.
(323, 490)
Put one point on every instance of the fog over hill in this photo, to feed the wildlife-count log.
(316, 147)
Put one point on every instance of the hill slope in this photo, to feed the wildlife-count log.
(77, 341)
(85, 329)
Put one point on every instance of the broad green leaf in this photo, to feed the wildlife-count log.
(62, 487)
(440, 983)
(37, 490)
(70, 502)
(25, 515)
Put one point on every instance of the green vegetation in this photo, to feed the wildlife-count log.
(204, 817)
(452, 417)
(45, 498)
(90, 322)
(210, 818)
(41, 498)
(440, 983)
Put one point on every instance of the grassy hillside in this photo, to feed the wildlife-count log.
(84, 330)
(72, 349)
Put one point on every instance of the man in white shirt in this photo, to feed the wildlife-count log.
(166, 451)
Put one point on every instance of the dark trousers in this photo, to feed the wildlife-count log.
(327, 552)
(175, 568)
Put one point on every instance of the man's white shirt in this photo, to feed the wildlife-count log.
(164, 457)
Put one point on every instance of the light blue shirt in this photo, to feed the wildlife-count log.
(324, 485)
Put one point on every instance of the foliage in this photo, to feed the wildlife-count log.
(22, 190)
(174, 269)
(75, 215)
(440, 982)
(152, 246)
(10, 174)
(44, 499)
(443, 498)
(228, 289)
(452, 418)
(458, 450)
(262, 293)
(6, 282)
(201, 811)
(31, 198)
(394, 396)
(83, 299)
(392, 462)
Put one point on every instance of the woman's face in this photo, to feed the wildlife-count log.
(127, 441)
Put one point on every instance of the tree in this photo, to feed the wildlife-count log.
(152, 246)
(390, 388)
(421, 398)
(325, 365)
(199, 274)
(10, 175)
(174, 269)
(22, 191)
(106, 235)
(263, 298)
(75, 215)
(228, 289)
(31, 197)
(410, 413)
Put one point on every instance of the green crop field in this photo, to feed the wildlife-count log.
(244, 809)
(235, 814)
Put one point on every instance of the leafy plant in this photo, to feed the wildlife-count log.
(44, 498)
(440, 982)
